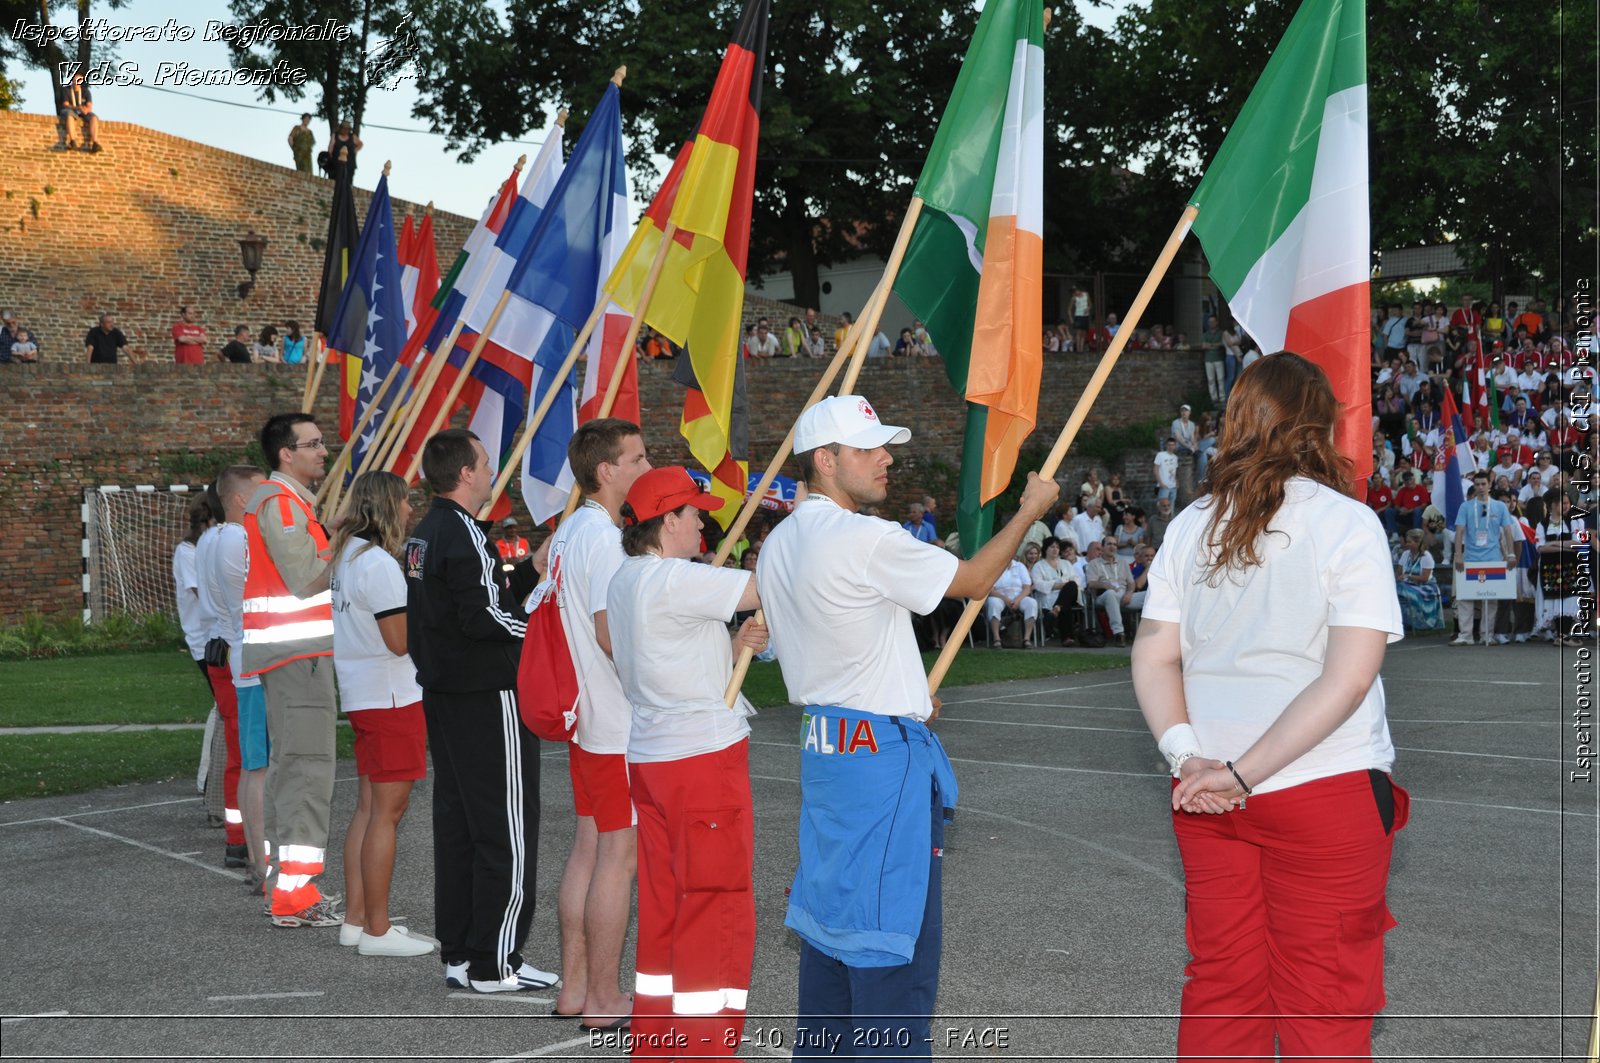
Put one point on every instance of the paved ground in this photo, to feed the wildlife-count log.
(1064, 910)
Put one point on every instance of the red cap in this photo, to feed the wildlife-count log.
(666, 489)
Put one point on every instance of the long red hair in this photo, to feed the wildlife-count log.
(1279, 424)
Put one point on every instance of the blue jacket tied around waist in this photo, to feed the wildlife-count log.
(866, 788)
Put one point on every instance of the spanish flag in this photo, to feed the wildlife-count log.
(700, 294)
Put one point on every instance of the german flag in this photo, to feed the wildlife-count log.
(700, 294)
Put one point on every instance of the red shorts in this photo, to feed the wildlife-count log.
(600, 788)
(391, 744)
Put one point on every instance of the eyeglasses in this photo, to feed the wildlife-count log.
(310, 444)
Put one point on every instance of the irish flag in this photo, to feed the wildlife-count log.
(974, 267)
(1283, 209)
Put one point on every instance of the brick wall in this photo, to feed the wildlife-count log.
(70, 425)
(152, 223)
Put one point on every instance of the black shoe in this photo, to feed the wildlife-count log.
(235, 856)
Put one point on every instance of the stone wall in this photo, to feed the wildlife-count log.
(152, 223)
(71, 426)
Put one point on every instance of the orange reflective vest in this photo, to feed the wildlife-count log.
(278, 626)
(512, 551)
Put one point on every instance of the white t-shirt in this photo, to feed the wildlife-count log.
(1166, 469)
(669, 633)
(1010, 582)
(221, 561)
(191, 616)
(1087, 529)
(1258, 638)
(585, 553)
(839, 589)
(367, 584)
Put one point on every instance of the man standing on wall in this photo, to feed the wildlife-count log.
(288, 642)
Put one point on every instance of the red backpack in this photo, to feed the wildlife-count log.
(547, 684)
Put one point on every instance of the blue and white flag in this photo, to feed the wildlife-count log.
(554, 288)
(369, 326)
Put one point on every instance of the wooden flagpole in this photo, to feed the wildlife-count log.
(870, 315)
(1080, 412)
(311, 371)
(625, 353)
(314, 377)
(442, 414)
(344, 458)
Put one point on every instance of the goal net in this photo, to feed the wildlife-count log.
(129, 534)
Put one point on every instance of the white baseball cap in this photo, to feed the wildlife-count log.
(846, 419)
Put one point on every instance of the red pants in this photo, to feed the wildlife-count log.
(1286, 918)
(228, 708)
(697, 910)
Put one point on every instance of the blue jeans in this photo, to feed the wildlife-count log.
(1230, 373)
(883, 1012)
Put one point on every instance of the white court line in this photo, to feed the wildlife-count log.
(1115, 854)
(1475, 682)
(508, 998)
(268, 996)
(1505, 808)
(102, 811)
(224, 872)
(36, 1015)
(1038, 693)
(545, 1051)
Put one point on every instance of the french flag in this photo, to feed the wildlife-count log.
(554, 288)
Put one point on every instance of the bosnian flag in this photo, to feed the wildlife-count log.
(553, 290)
(1458, 465)
(1283, 210)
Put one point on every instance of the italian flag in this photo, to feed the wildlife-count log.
(974, 267)
(1283, 210)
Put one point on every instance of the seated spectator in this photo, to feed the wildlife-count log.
(814, 344)
(1410, 501)
(906, 345)
(1421, 607)
(1381, 499)
(1140, 571)
(1155, 524)
(845, 321)
(294, 344)
(919, 332)
(8, 333)
(23, 349)
(879, 347)
(1116, 499)
(1057, 583)
(1205, 446)
(77, 102)
(1092, 487)
(103, 342)
(1129, 535)
(265, 348)
(1110, 585)
(1050, 343)
(1438, 538)
(917, 524)
(1013, 590)
(237, 349)
(1185, 431)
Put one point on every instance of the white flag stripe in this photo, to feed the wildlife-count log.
(1019, 169)
(1325, 248)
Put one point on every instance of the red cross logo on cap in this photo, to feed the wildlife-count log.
(866, 410)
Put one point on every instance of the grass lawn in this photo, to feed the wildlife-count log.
(161, 687)
(42, 765)
(164, 687)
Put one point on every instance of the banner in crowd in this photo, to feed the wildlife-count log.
(779, 496)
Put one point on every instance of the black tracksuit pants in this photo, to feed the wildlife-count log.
(485, 828)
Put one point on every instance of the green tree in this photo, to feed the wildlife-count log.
(47, 56)
(1465, 107)
(343, 72)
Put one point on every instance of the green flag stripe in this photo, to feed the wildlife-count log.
(1260, 179)
(938, 284)
(974, 520)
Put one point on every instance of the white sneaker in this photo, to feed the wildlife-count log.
(349, 936)
(502, 985)
(1461, 640)
(455, 975)
(1522, 637)
(394, 942)
(1501, 640)
(533, 978)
